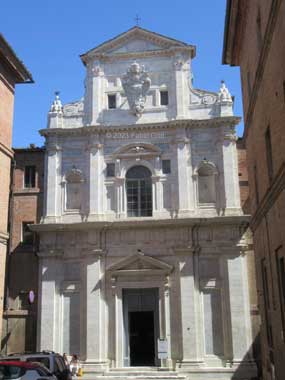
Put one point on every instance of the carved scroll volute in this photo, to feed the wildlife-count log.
(136, 84)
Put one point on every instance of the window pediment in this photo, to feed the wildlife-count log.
(74, 176)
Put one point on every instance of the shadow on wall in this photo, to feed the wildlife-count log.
(241, 372)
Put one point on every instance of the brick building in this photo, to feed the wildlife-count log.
(243, 176)
(12, 72)
(254, 40)
(19, 327)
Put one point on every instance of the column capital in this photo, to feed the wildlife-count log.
(120, 180)
(53, 148)
(50, 253)
(94, 147)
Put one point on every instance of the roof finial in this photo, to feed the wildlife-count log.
(224, 94)
(137, 20)
(56, 105)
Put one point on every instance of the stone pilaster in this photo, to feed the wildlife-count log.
(230, 165)
(98, 98)
(190, 315)
(53, 188)
(95, 336)
(49, 325)
(95, 180)
(183, 155)
(181, 71)
(239, 308)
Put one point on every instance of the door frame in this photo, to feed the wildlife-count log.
(126, 326)
(163, 316)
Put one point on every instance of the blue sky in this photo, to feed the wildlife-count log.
(49, 36)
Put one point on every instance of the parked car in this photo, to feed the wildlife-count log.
(52, 361)
(17, 370)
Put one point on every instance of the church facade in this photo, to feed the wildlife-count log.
(143, 243)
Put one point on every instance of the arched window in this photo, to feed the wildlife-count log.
(207, 183)
(74, 181)
(139, 191)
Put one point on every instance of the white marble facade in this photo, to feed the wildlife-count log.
(142, 218)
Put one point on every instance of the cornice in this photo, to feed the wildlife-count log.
(166, 43)
(141, 223)
(264, 54)
(141, 54)
(270, 198)
(190, 123)
(6, 150)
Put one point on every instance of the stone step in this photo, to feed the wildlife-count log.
(134, 374)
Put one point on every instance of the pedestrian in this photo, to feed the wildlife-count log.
(74, 365)
(66, 361)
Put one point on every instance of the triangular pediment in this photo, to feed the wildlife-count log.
(135, 45)
(136, 40)
(140, 263)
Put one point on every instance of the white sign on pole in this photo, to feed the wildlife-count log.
(162, 349)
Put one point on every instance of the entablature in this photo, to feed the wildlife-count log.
(190, 123)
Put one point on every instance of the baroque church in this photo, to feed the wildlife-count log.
(143, 242)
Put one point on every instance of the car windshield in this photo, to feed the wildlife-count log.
(39, 359)
(10, 372)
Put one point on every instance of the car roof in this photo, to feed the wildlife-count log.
(43, 354)
(18, 363)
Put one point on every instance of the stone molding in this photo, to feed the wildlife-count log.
(51, 253)
(134, 150)
(168, 46)
(147, 265)
(6, 150)
(4, 236)
(191, 123)
(264, 54)
(269, 199)
(238, 220)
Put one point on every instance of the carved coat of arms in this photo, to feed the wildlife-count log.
(136, 84)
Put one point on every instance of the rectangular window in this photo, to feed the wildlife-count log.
(30, 177)
(248, 84)
(164, 98)
(166, 167)
(256, 185)
(266, 302)
(110, 170)
(269, 153)
(112, 101)
(281, 285)
(258, 27)
(27, 234)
